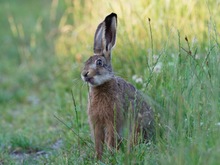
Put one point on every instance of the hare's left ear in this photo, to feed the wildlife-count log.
(105, 36)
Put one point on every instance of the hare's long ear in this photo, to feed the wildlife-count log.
(105, 36)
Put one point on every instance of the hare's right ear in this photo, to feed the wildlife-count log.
(105, 36)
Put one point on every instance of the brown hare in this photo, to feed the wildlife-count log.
(111, 99)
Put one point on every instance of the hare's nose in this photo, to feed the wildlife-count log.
(85, 74)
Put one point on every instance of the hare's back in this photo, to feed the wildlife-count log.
(131, 95)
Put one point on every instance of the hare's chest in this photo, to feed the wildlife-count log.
(102, 107)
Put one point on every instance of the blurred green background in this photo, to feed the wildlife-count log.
(169, 50)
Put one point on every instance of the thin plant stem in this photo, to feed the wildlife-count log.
(73, 131)
(151, 38)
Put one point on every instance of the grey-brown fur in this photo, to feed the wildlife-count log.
(113, 103)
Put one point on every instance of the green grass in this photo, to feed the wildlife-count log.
(43, 47)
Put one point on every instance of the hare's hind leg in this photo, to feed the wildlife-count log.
(113, 137)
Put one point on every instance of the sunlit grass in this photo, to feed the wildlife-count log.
(175, 65)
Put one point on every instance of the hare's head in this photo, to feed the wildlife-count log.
(98, 69)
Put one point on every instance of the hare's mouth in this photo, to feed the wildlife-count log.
(89, 80)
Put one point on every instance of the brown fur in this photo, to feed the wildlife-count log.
(114, 104)
(108, 112)
(104, 114)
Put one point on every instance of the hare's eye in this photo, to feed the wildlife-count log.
(99, 62)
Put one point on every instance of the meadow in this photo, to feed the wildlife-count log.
(170, 50)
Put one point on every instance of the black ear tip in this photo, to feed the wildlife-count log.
(110, 16)
(113, 15)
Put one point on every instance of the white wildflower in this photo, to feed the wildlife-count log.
(217, 124)
(134, 77)
(194, 40)
(158, 67)
(137, 79)
(155, 57)
(197, 56)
